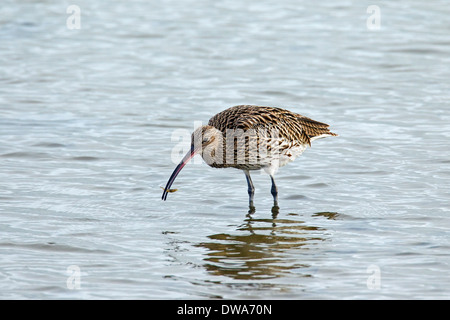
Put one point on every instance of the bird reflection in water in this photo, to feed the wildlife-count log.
(262, 248)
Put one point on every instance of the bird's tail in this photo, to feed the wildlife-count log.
(323, 135)
(314, 129)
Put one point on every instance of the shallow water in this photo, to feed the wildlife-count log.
(90, 117)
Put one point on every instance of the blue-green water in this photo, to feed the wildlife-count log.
(89, 119)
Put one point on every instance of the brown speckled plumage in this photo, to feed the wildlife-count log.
(284, 134)
(251, 137)
(292, 126)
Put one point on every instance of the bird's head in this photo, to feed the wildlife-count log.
(205, 141)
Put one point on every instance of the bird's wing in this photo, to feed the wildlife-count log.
(288, 125)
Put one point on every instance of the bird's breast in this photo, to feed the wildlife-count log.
(251, 152)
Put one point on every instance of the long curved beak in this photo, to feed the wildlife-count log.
(177, 170)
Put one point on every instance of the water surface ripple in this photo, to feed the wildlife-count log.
(89, 120)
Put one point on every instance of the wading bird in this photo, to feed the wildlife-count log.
(251, 137)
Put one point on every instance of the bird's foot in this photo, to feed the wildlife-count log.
(275, 210)
(251, 208)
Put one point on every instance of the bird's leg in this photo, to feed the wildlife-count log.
(251, 189)
(274, 192)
